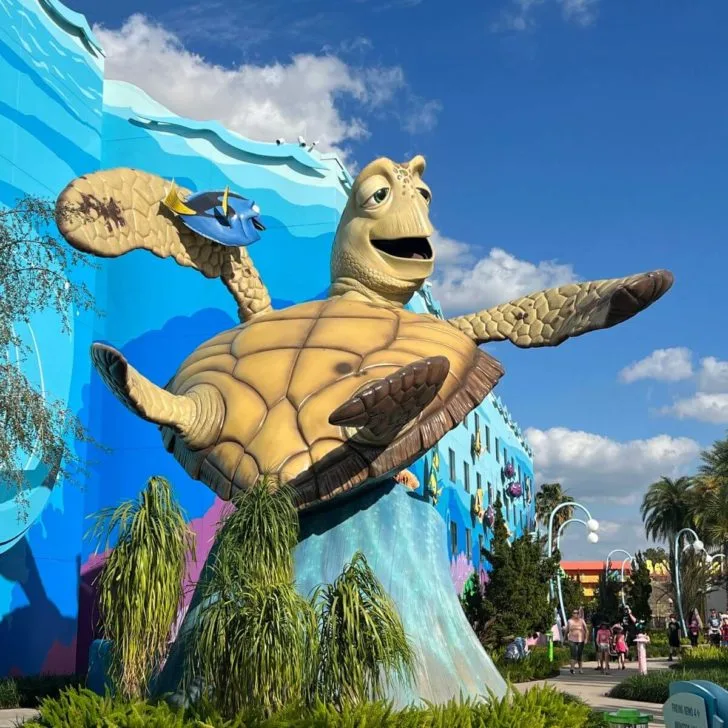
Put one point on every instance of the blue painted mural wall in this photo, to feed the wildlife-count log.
(58, 119)
(51, 74)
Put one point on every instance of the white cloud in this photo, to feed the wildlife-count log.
(261, 102)
(702, 406)
(713, 375)
(465, 280)
(667, 365)
(583, 12)
(519, 16)
(605, 470)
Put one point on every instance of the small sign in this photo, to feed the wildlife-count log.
(684, 710)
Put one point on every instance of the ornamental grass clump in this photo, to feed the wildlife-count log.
(363, 648)
(253, 641)
(141, 584)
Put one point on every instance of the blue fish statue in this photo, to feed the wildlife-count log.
(224, 217)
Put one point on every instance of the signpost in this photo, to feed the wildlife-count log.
(686, 710)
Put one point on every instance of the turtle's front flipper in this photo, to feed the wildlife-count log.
(383, 407)
(197, 415)
(121, 210)
(548, 318)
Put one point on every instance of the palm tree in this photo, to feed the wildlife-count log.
(710, 507)
(549, 497)
(141, 585)
(715, 460)
(666, 509)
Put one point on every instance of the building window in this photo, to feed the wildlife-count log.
(478, 481)
(453, 473)
(497, 450)
(465, 421)
(490, 494)
(477, 421)
(505, 456)
(453, 538)
(468, 544)
(487, 438)
(508, 511)
(466, 476)
(481, 543)
(520, 475)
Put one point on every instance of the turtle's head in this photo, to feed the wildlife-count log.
(382, 248)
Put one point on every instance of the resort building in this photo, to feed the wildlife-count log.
(61, 119)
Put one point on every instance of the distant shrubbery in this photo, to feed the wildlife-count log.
(701, 663)
(535, 666)
(537, 708)
(27, 692)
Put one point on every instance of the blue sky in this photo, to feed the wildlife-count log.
(565, 139)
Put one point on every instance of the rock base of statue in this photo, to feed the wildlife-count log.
(403, 539)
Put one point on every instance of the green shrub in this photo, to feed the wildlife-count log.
(141, 584)
(705, 657)
(9, 697)
(655, 686)
(254, 642)
(536, 666)
(363, 647)
(536, 708)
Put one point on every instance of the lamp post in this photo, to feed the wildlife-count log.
(592, 538)
(697, 545)
(628, 557)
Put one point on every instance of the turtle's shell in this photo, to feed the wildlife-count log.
(284, 373)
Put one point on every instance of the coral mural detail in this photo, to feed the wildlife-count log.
(460, 571)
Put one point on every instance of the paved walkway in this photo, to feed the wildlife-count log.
(17, 716)
(592, 687)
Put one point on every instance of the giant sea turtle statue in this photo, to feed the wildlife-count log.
(330, 395)
(337, 395)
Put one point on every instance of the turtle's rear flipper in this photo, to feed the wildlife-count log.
(386, 405)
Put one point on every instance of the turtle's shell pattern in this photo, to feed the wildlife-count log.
(282, 374)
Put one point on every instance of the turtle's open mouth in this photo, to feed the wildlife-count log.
(410, 248)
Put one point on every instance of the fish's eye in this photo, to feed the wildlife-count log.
(377, 198)
(426, 194)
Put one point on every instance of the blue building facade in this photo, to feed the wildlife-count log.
(484, 461)
(58, 120)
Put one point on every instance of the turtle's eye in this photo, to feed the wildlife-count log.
(426, 194)
(377, 198)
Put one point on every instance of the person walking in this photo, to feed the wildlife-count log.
(576, 633)
(724, 631)
(604, 637)
(695, 625)
(714, 628)
(620, 645)
(629, 622)
(673, 636)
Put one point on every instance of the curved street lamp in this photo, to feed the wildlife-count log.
(697, 545)
(591, 538)
(628, 557)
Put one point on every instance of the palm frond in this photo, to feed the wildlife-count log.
(141, 584)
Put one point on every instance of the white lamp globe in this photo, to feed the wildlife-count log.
(592, 538)
(698, 545)
(592, 525)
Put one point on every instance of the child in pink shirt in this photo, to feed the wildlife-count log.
(620, 645)
(604, 637)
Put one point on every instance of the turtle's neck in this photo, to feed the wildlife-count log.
(354, 290)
